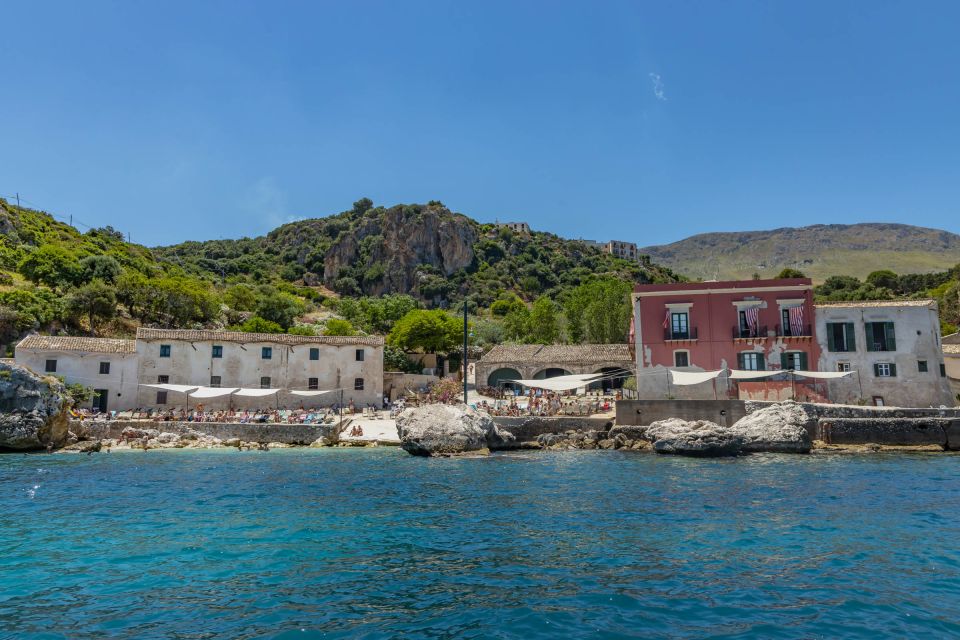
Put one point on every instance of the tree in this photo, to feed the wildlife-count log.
(280, 307)
(105, 268)
(302, 330)
(598, 311)
(791, 273)
(93, 300)
(884, 279)
(51, 265)
(241, 297)
(256, 324)
(395, 359)
(339, 327)
(516, 324)
(544, 323)
(362, 205)
(503, 306)
(432, 331)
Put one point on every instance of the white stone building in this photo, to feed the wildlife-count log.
(107, 366)
(951, 359)
(226, 359)
(894, 346)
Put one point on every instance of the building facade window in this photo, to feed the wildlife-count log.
(922, 366)
(359, 355)
(751, 361)
(104, 368)
(943, 370)
(841, 337)
(796, 360)
(214, 381)
(358, 384)
(266, 353)
(314, 353)
(885, 370)
(163, 379)
(681, 358)
(680, 325)
(164, 351)
(161, 397)
(313, 384)
(50, 366)
(217, 351)
(881, 336)
(265, 382)
(843, 366)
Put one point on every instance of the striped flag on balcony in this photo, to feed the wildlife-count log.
(753, 317)
(666, 319)
(796, 321)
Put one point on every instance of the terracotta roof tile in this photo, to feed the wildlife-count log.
(204, 335)
(71, 343)
(571, 353)
(879, 303)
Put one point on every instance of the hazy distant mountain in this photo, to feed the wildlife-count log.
(819, 251)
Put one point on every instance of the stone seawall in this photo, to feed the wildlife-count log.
(301, 434)
(646, 412)
(943, 432)
(526, 429)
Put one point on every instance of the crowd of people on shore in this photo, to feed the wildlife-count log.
(324, 415)
(547, 404)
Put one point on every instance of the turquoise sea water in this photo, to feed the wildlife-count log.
(353, 543)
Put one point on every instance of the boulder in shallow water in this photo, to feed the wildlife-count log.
(33, 410)
(699, 438)
(449, 430)
(779, 428)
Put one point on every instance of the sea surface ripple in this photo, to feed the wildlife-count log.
(350, 543)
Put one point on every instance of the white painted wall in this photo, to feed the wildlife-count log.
(83, 367)
(917, 330)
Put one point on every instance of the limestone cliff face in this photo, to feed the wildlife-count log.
(387, 249)
(32, 410)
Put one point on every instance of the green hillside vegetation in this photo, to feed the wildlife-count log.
(388, 264)
(820, 251)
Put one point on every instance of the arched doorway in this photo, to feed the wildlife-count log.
(500, 378)
(613, 378)
(551, 372)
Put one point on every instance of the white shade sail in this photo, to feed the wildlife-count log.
(256, 393)
(827, 375)
(312, 393)
(559, 383)
(212, 392)
(178, 388)
(737, 374)
(683, 378)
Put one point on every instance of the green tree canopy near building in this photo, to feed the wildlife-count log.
(53, 266)
(427, 331)
(791, 273)
(94, 300)
(339, 327)
(598, 311)
(544, 325)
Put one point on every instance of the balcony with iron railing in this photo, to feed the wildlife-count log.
(749, 333)
(786, 331)
(671, 334)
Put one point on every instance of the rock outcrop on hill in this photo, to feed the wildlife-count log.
(33, 410)
(779, 428)
(449, 430)
(700, 438)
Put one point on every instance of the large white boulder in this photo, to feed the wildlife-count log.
(33, 410)
(779, 428)
(449, 430)
(699, 438)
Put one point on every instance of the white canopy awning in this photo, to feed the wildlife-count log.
(212, 392)
(828, 375)
(179, 388)
(256, 393)
(737, 374)
(312, 393)
(560, 383)
(683, 378)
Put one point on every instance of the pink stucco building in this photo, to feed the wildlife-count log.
(761, 325)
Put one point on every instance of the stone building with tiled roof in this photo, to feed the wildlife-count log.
(536, 361)
(118, 369)
(951, 360)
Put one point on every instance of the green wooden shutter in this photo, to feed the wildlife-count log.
(784, 361)
(893, 370)
(890, 335)
(876, 370)
(740, 361)
(803, 361)
(831, 342)
(851, 336)
(869, 329)
(761, 366)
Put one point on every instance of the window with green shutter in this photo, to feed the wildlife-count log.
(796, 360)
(885, 370)
(841, 337)
(881, 336)
(750, 361)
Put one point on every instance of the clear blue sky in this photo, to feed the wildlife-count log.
(640, 121)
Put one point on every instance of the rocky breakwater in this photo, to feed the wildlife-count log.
(80, 440)
(450, 430)
(33, 410)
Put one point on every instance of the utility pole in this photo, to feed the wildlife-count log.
(18, 202)
(465, 350)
